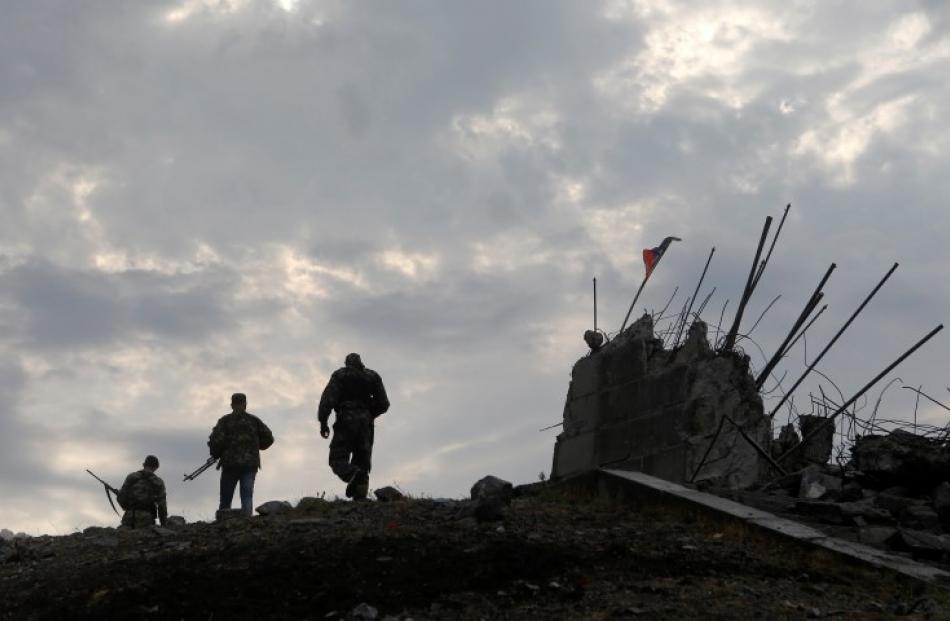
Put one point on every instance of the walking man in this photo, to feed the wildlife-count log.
(358, 397)
(237, 441)
(143, 497)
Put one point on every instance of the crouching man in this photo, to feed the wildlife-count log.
(143, 497)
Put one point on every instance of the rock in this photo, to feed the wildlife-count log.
(274, 507)
(593, 339)
(893, 503)
(492, 496)
(786, 441)
(788, 482)
(388, 494)
(175, 521)
(106, 542)
(364, 612)
(866, 512)
(95, 531)
(7, 550)
(902, 458)
(6, 534)
(311, 504)
(696, 346)
(818, 449)
(918, 543)
(918, 517)
(816, 484)
(876, 536)
(225, 515)
(309, 522)
(161, 531)
(827, 512)
(851, 491)
(941, 502)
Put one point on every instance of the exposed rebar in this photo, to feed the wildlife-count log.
(830, 420)
(768, 256)
(809, 307)
(835, 338)
(730, 340)
(679, 332)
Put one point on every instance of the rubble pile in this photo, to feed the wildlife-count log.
(894, 493)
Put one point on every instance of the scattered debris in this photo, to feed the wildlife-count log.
(492, 497)
(274, 507)
(388, 494)
(364, 612)
(225, 515)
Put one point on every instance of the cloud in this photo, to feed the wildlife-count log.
(200, 197)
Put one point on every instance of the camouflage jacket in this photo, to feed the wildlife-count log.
(238, 439)
(144, 491)
(359, 388)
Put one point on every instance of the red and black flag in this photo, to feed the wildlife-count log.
(652, 256)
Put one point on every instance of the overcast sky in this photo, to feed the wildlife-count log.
(208, 196)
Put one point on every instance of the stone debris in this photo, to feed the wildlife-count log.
(175, 521)
(902, 458)
(7, 550)
(225, 515)
(364, 612)
(274, 507)
(815, 484)
(388, 494)
(312, 504)
(894, 492)
(492, 497)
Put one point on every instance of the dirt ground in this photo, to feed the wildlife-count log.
(555, 556)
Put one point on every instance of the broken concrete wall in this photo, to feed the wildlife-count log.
(635, 405)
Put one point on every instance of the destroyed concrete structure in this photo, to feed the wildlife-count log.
(693, 414)
(634, 405)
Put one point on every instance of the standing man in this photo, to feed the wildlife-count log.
(358, 397)
(143, 497)
(237, 441)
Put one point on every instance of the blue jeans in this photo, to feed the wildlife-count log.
(230, 477)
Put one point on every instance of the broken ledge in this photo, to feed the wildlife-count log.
(639, 487)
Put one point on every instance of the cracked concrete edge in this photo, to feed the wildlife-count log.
(772, 524)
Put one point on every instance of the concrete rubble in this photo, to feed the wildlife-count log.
(388, 494)
(274, 507)
(694, 415)
(492, 497)
(634, 405)
(893, 493)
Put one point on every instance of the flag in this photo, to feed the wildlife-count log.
(652, 256)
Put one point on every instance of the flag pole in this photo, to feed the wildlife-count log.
(635, 298)
(660, 251)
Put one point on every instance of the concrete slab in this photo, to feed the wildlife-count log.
(638, 484)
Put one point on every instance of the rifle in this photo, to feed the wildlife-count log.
(204, 466)
(109, 489)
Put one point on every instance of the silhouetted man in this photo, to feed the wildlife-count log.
(237, 441)
(143, 497)
(358, 397)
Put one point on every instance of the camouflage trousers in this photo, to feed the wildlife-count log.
(351, 450)
(138, 518)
